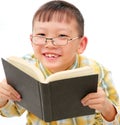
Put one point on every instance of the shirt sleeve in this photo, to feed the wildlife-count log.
(108, 86)
(11, 109)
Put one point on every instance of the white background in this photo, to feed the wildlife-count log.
(102, 27)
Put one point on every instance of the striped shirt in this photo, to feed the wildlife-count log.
(105, 81)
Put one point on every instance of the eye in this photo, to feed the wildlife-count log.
(41, 35)
(63, 36)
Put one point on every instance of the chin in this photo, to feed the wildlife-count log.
(53, 69)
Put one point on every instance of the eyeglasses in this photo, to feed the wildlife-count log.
(57, 41)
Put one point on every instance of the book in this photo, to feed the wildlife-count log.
(54, 98)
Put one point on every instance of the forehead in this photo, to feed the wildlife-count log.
(55, 25)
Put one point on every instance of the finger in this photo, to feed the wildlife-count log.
(99, 94)
(95, 101)
(8, 91)
(89, 97)
(96, 107)
(9, 96)
(12, 91)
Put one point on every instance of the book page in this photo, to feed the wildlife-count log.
(82, 71)
(26, 67)
(34, 72)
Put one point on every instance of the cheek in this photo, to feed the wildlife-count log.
(73, 48)
(70, 51)
(37, 50)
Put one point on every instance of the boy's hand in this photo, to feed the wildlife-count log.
(7, 92)
(99, 101)
(95, 100)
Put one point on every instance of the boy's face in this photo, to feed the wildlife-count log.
(57, 58)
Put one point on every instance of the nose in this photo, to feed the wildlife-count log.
(49, 41)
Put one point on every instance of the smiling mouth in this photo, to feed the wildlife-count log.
(49, 55)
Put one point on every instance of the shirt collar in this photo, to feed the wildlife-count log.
(46, 72)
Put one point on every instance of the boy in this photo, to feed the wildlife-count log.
(58, 40)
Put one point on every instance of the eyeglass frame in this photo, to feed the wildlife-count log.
(52, 40)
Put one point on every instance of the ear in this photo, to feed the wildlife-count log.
(31, 39)
(82, 44)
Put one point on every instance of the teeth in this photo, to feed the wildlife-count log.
(51, 55)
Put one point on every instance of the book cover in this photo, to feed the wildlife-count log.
(53, 101)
